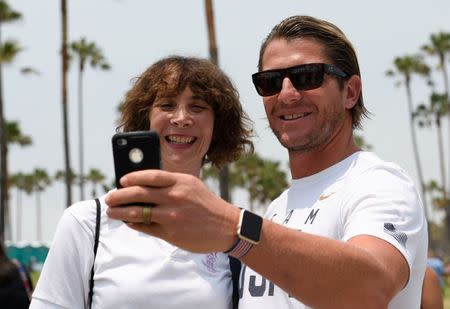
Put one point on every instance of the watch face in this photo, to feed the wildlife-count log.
(251, 227)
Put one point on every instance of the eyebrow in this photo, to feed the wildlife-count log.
(198, 97)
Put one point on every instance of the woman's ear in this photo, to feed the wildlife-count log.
(352, 91)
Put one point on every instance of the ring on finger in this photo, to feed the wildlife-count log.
(147, 214)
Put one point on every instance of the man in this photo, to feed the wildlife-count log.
(349, 233)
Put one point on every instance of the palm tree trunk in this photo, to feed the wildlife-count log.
(80, 130)
(441, 154)
(3, 164)
(415, 148)
(213, 55)
(64, 57)
(19, 216)
(38, 217)
(447, 93)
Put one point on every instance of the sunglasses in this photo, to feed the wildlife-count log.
(303, 77)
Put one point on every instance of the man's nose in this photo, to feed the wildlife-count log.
(288, 93)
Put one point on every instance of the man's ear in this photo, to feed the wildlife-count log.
(352, 91)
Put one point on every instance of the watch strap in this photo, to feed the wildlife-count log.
(239, 249)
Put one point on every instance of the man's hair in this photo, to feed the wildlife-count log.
(169, 77)
(337, 48)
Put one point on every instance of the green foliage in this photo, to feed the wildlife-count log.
(7, 14)
(40, 179)
(436, 191)
(408, 65)
(361, 142)
(261, 178)
(439, 45)
(96, 178)
(8, 51)
(14, 134)
(88, 51)
(61, 175)
(23, 182)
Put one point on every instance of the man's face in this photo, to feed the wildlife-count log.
(303, 120)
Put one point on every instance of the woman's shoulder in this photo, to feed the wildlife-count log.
(85, 212)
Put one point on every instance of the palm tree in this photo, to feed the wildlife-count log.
(61, 175)
(40, 181)
(439, 46)
(261, 178)
(9, 50)
(13, 136)
(426, 116)
(214, 57)
(85, 51)
(96, 177)
(23, 183)
(64, 69)
(405, 67)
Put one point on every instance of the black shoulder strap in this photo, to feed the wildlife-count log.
(96, 236)
(235, 266)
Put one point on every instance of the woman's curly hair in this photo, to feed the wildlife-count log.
(169, 77)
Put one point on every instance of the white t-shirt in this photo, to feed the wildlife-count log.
(132, 269)
(359, 195)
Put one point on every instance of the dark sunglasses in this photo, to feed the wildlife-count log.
(303, 77)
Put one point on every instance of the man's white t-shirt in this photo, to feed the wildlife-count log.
(132, 269)
(359, 195)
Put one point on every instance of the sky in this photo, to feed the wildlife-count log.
(135, 33)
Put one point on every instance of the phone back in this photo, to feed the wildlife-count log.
(133, 151)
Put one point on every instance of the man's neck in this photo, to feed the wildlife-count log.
(303, 164)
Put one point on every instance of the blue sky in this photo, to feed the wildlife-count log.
(135, 33)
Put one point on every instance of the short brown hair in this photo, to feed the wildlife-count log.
(169, 77)
(336, 47)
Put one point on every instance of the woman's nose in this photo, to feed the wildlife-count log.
(181, 118)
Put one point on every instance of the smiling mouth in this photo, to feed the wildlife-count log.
(180, 140)
(294, 116)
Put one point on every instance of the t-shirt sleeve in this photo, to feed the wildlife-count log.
(385, 204)
(64, 280)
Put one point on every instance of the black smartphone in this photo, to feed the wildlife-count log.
(133, 151)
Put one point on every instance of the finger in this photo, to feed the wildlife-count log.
(151, 178)
(129, 214)
(135, 194)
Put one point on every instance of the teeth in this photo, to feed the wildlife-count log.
(294, 116)
(176, 139)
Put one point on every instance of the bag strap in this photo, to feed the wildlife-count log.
(96, 237)
(235, 266)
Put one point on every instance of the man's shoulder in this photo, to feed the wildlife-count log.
(369, 164)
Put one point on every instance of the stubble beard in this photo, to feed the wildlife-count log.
(318, 138)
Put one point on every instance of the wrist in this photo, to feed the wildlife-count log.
(248, 231)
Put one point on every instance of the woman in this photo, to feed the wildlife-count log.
(195, 109)
(13, 287)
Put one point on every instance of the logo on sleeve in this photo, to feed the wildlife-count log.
(401, 237)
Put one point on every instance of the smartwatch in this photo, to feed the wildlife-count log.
(248, 232)
(249, 227)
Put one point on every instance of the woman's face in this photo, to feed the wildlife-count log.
(185, 125)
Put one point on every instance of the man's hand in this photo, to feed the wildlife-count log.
(185, 212)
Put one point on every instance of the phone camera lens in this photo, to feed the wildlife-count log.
(121, 142)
